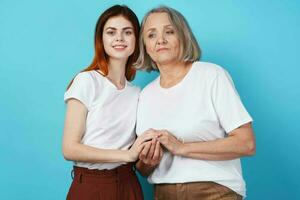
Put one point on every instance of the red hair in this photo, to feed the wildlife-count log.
(100, 61)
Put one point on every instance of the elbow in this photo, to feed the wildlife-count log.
(67, 153)
(250, 149)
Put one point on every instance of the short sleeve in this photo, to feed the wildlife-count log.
(227, 103)
(81, 89)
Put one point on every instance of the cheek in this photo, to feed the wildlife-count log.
(131, 44)
(176, 46)
(150, 52)
(132, 41)
(175, 42)
(149, 47)
(106, 42)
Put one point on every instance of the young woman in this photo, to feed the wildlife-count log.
(196, 112)
(100, 120)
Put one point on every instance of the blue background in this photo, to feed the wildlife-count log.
(43, 44)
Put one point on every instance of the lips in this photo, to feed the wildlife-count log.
(161, 49)
(119, 46)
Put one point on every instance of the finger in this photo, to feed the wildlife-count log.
(161, 153)
(156, 151)
(161, 133)
(141, 147)
(148, 136)
(152, 148)
(142, 139)
(149, 131)
(147, 144)
(145, 151)
(162, 139)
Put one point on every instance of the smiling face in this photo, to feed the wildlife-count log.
(160, 39)
(118, 38)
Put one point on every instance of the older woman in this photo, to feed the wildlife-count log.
(196, 113)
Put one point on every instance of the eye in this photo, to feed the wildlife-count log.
(151, 35)
(111, 32)
(170, 32)
(128, 32)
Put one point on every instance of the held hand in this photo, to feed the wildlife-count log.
(142, 141)
(170, 142)
(134, 151)
(151, 153)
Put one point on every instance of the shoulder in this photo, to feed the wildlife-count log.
(208, 67)
(209, 70)
(86, 75)
(81, 81)
(150, 87)
(91, 78)
(83, 77)
(82, 89)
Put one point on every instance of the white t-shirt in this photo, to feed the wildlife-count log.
(111, 117)
(204, 106)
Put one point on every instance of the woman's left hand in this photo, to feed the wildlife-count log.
(170, 142)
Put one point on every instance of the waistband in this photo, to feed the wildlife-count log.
(82, 174)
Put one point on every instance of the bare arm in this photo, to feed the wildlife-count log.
(72, 148)
(240, 142)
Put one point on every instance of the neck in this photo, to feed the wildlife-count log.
(173, 73)
(116, 72)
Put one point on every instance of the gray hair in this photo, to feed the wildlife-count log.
(189, 48)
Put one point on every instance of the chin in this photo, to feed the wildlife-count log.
(121, 57)
(165, 61)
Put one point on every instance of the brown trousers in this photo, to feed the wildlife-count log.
(194, 191)
(116, 184)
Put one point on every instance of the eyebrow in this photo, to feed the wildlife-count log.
(125, 28)
(165, 26)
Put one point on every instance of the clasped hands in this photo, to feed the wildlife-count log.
(152, 143)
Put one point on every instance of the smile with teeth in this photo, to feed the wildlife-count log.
(119, 47)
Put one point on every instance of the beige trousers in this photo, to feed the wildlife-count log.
(194, 191)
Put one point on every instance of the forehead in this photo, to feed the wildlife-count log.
(156, 20)
(117, 22)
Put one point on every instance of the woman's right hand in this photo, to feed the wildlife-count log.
(150, 156)
(152, 153)
(142, 141)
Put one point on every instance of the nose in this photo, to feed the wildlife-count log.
(161, 39)
(119, 37)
